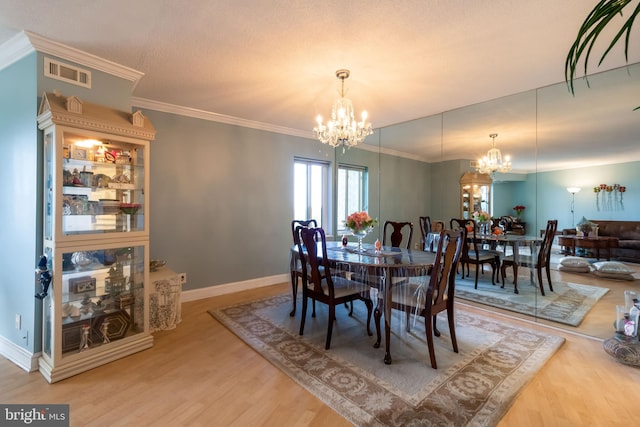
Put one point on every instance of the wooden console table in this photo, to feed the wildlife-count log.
(591, 242)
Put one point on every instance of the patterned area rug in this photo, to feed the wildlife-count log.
(568, 304)
(474, 387)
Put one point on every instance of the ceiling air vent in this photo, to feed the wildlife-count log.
(67, 73)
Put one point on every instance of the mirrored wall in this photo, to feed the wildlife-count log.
(556, 140)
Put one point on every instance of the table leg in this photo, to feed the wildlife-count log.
(386, 308)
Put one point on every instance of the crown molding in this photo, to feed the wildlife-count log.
(221, 118)
(26, 42)
(215, 117)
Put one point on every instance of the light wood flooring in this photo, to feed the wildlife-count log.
(200, 374)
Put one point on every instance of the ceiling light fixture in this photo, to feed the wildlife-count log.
(342, 129)
(492, 162)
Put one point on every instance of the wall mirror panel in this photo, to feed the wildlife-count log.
(556, 140)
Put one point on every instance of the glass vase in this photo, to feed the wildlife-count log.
(361, 234)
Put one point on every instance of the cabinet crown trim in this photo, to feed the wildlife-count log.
(54, 108)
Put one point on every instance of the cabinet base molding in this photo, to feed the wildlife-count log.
(76, 366)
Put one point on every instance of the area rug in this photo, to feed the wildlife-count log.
(474, 387)
(568, 304)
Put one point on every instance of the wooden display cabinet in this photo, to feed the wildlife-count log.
(475, 194)
(95, 235)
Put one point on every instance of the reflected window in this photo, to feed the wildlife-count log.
(352, 191)
(311, 191)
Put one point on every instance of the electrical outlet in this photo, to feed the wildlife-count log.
(183, 278)
(18, 321)
(416, 246)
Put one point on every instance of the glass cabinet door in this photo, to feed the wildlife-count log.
(475, 192)
(102, 298)
(102, 185)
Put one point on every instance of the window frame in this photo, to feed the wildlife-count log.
(324, 220)
(363, 204)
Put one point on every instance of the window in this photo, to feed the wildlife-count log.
(352, 194)
(311, 191)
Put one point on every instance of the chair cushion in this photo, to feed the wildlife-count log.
(343, 287)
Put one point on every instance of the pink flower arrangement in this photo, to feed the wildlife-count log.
(359, 221)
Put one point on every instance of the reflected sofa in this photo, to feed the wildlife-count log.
(628, 234)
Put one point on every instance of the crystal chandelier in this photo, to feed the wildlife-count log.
(492, 162)
(342, 129)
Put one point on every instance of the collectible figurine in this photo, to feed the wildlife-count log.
(104, 329)
(84, 338)
(45, 277)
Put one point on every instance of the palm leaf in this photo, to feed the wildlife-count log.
(601, 15)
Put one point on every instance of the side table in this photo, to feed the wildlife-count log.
(624, 350)
(165, 305)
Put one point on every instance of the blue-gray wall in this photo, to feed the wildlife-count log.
(20, 216)
(222, 196)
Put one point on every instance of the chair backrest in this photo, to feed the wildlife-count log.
(308, 250)
(425, 227)
(544, 256)
(470, 241)
(396, 235)
(303, 223)
(443, 275)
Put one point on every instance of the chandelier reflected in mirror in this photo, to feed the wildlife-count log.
(342, 129)
(493, 162)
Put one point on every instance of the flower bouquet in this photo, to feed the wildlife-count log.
(360, 224)
(519, 209)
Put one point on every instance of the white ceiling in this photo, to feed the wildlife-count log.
(274, 62)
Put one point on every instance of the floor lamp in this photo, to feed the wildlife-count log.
(573, 191)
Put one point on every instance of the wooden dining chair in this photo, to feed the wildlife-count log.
(396, 237)
(295, 265)
(472, 252)
(425, 229)
(437, 293)
(329, 289)
(542, 260)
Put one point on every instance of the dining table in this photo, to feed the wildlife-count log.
(515, 241)
(381, 269)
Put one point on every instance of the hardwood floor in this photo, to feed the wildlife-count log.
(200, 374)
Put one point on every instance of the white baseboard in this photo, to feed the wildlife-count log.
(18, 355)
(228, 288)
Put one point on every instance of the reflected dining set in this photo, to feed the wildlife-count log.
(384, 278)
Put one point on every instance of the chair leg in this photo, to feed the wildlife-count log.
(429, 331)
(515, 279)
(332, 316)
(549, 278)
(407, 311)
(436, 332)
(313, 312)
(369, 305)
(349, 305)
(304, 312)
(294, 291)
(493, 273)
(540, 280)
(478, 266)
(377, 314)
(452, 328)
